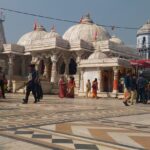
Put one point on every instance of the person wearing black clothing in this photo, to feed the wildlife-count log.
(39, 91)
(133, 89)
(141, 84)
(31, 84)
(127, 90)
(2, 77)
(147, 92)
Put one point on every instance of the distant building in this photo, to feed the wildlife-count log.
(143, 41)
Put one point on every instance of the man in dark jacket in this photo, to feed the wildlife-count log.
(2, 77)
(141, 84)
(31, 84)
(133, 89)
(127, 90)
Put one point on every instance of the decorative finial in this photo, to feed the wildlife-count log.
(86, 19)
(148, 22)
(2, 16)
(53, 28)
(81, 19)
(88, 15)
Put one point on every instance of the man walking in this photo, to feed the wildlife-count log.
(88, 88)
(127, 90)
(133, 89)
(31, 85)
(141, 85)
(2, 78)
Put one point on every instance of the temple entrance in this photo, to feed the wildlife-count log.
(72, 67)
(107, 80)
(41, 67)
(62, 68)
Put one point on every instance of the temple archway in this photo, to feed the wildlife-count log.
(41, 67)
(62, 68)
(72, 67)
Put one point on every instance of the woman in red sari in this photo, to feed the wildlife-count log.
(94, 88)
(71, 86)
(62, 87)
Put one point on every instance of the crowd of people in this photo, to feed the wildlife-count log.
(136, 90)
(66, 89)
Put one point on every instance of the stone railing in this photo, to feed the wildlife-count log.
(13, 48)
(81, 44)
(122, 50)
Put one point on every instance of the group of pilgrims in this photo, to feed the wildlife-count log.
(67, 89)
(136, 89)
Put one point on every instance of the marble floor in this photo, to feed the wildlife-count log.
(73, 124)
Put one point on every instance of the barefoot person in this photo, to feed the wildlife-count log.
(127, 90)
(94, 88)
(88, 88)
(70, 89)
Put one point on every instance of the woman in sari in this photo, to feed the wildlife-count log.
(62, 87)
(94, 88)
(71, 86)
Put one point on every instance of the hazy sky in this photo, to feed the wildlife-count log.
(132, 13)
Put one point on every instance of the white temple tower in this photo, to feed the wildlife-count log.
(143, 41)
(2, 33)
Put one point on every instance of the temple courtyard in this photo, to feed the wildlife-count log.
(73, 124)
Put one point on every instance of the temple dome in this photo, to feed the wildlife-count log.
(29, 38)
(144, 29)
(87, 31)
(116, 40)
(51, 34)
(97, 55)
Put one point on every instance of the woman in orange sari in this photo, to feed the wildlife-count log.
(71, 86)
(94, 88)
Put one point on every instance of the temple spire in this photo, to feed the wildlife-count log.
(86, 19)
(53, 28)
(2, 33)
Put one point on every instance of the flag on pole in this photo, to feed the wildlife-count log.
(113, 28)
(53, 28)
(81, 19)
(35, 25)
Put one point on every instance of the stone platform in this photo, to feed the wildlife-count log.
(73, 124)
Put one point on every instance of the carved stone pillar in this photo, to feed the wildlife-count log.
(115, 82)
(35, 60)
(10, 70)
(53, 71)
(23, 66)
(78, 59)
(46, 68)
(66, 66)
(78, 62)
(100, 86)
(81, 81)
